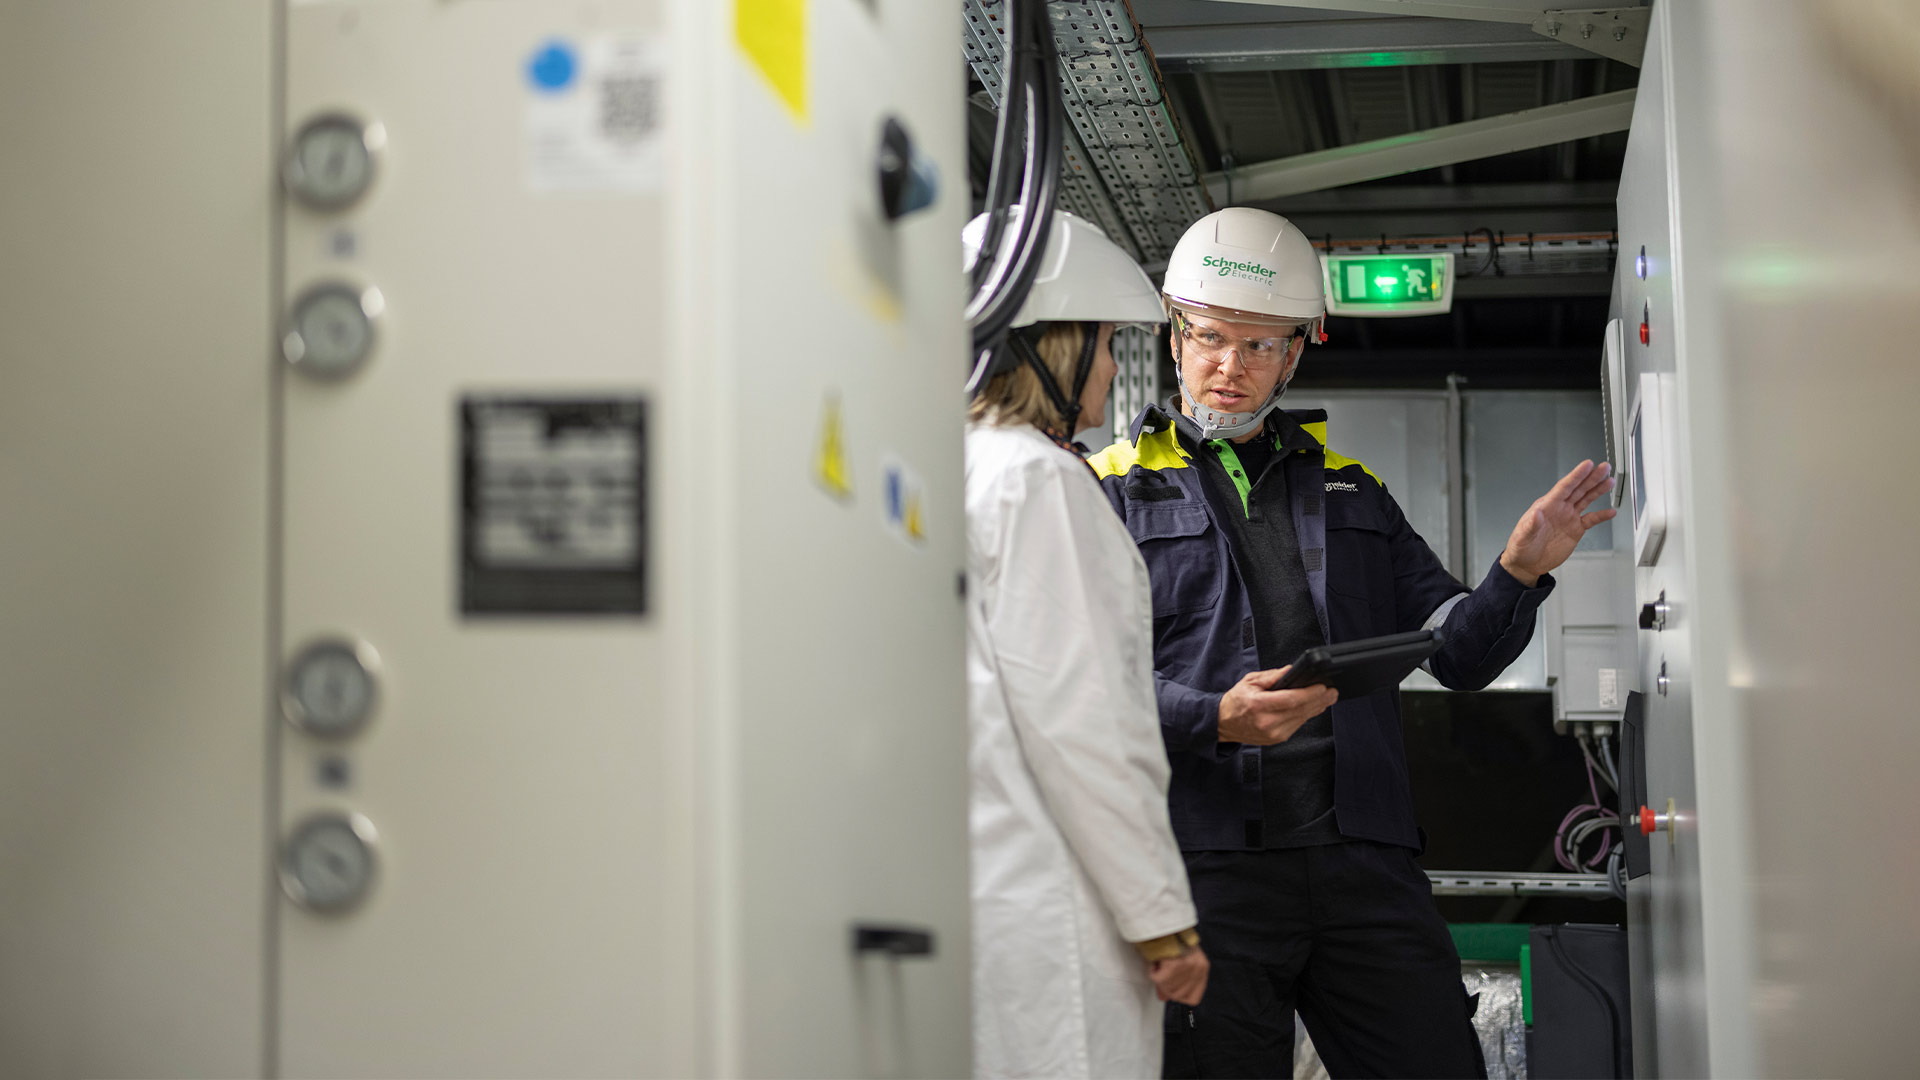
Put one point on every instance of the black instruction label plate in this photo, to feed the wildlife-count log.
(553, 506)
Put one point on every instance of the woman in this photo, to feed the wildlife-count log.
(1082, 922)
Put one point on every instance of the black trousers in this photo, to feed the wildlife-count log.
(1346, 934)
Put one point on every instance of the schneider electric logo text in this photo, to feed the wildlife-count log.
(1251, 271)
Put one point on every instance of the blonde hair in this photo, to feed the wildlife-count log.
(1016, 397)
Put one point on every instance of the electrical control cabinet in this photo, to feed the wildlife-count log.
(1769, 181)
(1667, 908)
(552, 650)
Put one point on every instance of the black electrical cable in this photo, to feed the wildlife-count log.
(1032, 106)
(1039, 191)
(1586, 981)
(1007, 146)
(1493, 253)
(1009, 153)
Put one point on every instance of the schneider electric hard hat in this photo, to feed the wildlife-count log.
(1243, 265)
(1084, 277)
(1248, 263)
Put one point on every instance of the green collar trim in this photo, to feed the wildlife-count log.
(1236, 472)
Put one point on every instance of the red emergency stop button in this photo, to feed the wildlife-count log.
(1649, 821)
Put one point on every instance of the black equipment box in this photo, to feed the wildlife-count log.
(1582, 1012)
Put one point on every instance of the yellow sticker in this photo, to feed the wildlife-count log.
(830, 463)
(916, 522)
(773, 33)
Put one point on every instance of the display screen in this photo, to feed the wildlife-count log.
(1387, 281)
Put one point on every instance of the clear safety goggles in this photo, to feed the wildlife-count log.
(1208, 345)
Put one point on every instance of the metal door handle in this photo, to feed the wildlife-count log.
(892, 940)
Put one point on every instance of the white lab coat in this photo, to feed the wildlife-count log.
(1073, 855)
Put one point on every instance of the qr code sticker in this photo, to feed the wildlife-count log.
(629, 107)
(605, 128)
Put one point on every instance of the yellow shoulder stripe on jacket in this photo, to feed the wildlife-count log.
(1336, 462)
(1155, 450)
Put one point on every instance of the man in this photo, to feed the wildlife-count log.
(1293, 811)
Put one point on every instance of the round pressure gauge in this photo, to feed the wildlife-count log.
(327, 863)
(331, 161)
(330, 688)
(330, 331)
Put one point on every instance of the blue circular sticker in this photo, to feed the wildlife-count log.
(553, 67)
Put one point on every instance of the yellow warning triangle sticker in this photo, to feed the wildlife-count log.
(830, 463)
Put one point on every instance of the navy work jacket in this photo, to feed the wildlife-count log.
(1369, 573)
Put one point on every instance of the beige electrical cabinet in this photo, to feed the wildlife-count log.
(136, 197)
(516, 631)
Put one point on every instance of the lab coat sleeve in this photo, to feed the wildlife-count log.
(1071, 635)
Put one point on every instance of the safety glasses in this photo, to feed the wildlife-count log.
(1209, 346)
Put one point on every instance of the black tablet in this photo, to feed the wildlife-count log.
(1358, 668)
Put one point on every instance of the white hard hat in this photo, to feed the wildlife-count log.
(1243, 265)
(1250, 262)
(1083, 277)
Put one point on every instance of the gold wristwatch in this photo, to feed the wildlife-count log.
(1170, 946)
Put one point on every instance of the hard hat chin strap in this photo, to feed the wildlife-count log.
(1068, 407)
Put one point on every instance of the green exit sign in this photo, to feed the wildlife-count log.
(1389, 285)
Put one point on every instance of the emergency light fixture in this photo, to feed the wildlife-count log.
(1388, 286)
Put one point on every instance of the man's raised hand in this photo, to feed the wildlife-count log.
(1554, 525)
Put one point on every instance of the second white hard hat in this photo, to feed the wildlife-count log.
(1247, 261)
(1084, 277)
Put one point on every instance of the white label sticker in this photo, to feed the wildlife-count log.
(1609, 688)
(595, 114)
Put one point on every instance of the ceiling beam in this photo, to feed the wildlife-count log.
(1402, 210)
(1431, 197)
(1618, 32)
(1289, 46)
(1489, 137)
(1504, 11)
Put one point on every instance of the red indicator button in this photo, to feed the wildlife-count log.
(1649, 822)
